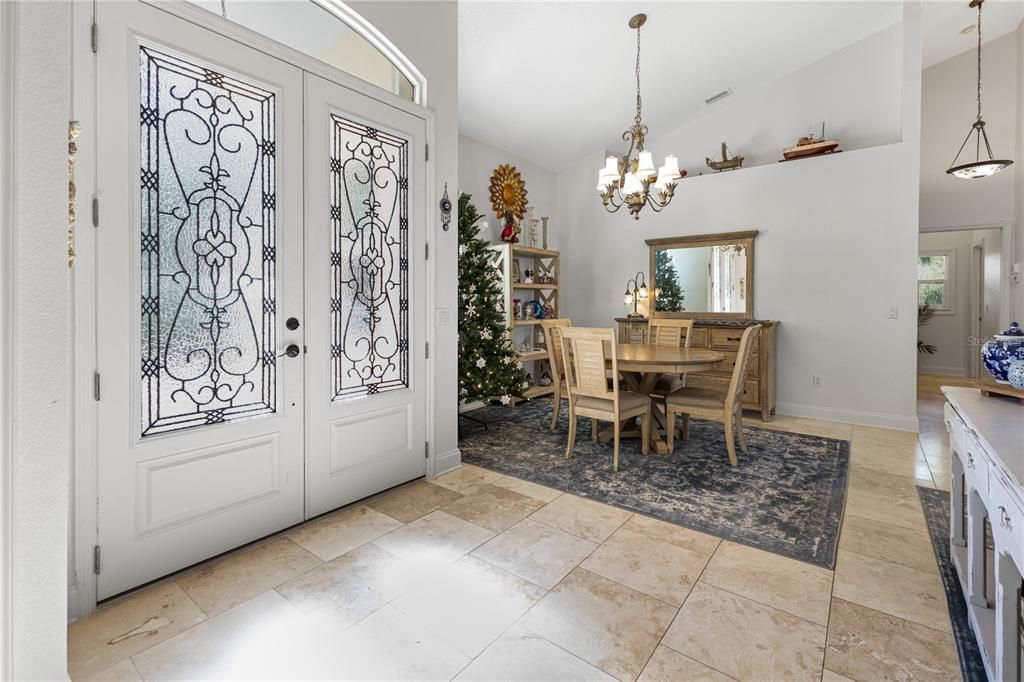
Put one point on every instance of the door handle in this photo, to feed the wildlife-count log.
(291, 351)
(292, 323)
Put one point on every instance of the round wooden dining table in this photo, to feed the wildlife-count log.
(641, 365)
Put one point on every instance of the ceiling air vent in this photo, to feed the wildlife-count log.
(720, 96)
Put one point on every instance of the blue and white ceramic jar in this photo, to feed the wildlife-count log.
(1016, 374)
(1002, 350)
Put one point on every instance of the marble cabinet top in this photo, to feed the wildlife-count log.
(715, 322)
(997, 422)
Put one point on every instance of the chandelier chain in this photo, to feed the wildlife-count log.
(979, 61)
(639, 101)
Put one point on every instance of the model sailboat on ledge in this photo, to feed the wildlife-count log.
(810, 145)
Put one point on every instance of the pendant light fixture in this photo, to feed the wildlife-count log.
(632, 181)
(980, 167)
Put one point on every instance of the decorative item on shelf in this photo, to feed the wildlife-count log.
(979, 168)
(517, 309)
(544, 232)
(1000, 351)
(1016, 374)
(527, 276)
(533, 310)
(531, 226)
(525, 346)
(545, 379)
(810, 145)
(726, 163)
(508, 193)
(510, 233)
(633, 181)
(547, 312)
(446, 210)
(516, 277)
(639, 290)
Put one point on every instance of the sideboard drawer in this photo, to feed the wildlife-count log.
(726, 368)
(728, 338)
(1006, 517)
(700, 337)
(954, 426)
(975, 464)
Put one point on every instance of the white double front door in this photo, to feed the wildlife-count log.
(260, 292)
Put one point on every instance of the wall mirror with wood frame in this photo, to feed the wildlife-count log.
(705, 276)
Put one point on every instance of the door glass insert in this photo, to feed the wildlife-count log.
(369, 260)
(207, 245)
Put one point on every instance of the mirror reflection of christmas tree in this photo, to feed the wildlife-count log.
(670, 295)
(488, 366)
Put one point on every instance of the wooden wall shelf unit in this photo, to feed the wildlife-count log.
(543, 263)
(724, 336)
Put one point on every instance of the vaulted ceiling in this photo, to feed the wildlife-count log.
(554, 81)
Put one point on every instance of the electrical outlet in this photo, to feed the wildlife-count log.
(815, 381)
(441, 317)
(894, 312)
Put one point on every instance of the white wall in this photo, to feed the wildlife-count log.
(855, 91)
(427, 33)
(1018, 223)
(949, 107)
(39, 333)
(838, 234)
(477, 162)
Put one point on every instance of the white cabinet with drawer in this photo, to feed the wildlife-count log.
(986, 440)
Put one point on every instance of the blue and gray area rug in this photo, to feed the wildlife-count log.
(786, 496)
(936, 514)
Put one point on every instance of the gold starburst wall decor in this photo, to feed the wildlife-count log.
(508, 192)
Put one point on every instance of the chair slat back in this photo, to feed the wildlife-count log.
(669, 332)
(553, 339)
(586, 351)
(739, 371)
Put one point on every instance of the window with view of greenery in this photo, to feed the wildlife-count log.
(934, 275)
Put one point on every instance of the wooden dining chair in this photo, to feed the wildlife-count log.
(711, 403)
(553, 339)
(587, 352)
(669, 332)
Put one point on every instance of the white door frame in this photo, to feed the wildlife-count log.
(976, 305)
(7, 84)
(83, 526)
(1006, 290)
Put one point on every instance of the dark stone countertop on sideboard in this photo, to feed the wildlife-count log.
(716, 322)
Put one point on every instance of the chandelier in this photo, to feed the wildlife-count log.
(632, 179)
(979, 168)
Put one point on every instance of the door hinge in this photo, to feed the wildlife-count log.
(426, 152)
(96, 385)
(95, 211)
(426, 449)
(426, 350)
(94, 36)
(426, 251)
(96, 559)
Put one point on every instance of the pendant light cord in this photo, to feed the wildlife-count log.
(639, 100)
(979, 61)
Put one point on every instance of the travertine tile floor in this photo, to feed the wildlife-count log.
(481, 576)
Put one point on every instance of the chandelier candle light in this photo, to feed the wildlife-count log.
(632, 180)
(979, 168)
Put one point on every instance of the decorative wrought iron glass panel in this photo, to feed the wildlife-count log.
(369, 260)
(207, 183)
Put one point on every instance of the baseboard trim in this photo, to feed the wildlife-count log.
(448, 461)
(950, 371)
(881, 420)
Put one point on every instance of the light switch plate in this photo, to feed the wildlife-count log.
(441, 316)
(894, 312)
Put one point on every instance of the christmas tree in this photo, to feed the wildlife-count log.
(669, 297)
(488, 367)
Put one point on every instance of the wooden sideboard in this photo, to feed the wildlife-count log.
(724, 336)
(986, 441)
